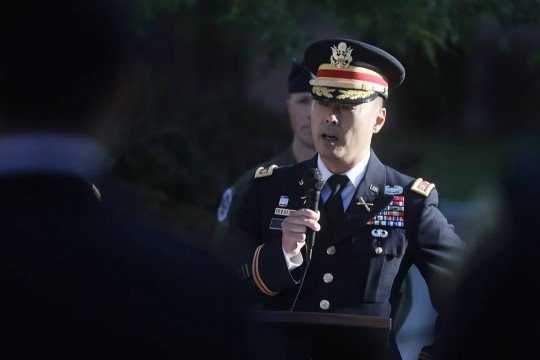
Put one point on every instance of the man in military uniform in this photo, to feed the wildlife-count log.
(391, 221)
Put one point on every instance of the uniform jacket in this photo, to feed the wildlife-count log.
(360, 268)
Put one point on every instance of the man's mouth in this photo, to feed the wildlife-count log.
(329, 137)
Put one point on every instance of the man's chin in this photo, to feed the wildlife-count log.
(328, 150)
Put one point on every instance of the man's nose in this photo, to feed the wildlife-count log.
(332, 119)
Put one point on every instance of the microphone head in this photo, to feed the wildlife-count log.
(313, 179)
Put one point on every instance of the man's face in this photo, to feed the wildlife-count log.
(342, 133)
(299, 107)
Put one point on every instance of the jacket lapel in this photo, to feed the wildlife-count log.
(295, 186)
(368, 200)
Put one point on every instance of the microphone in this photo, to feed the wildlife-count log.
(313, 182)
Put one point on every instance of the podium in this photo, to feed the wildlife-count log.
(316, 336)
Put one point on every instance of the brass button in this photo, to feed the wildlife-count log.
(324, 304)
(328, 278)
(331, 250)
(378, 250)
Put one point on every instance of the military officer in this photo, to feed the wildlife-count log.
(389, 220)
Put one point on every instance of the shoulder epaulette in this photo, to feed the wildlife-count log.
(422, 187)
(265, 171)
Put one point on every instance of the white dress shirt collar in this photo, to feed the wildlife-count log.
(355, 174)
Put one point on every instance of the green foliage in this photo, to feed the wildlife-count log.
(427, 26)
(179, 165)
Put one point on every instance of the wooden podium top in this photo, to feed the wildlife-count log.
(312, 335)
(313, 318)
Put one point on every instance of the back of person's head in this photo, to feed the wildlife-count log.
(60, 61)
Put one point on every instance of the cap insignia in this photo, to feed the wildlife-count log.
(341, 55)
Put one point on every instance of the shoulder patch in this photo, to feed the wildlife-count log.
(265, 171)
(225, 204)
(422, 187)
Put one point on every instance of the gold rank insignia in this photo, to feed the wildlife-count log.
(422, 187)
(264, 171)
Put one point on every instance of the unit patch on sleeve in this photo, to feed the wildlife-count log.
(265, 171)
(422, 187)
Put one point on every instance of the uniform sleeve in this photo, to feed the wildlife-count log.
(438, 255)
(256, 256)
(439, 252)
(230, 201)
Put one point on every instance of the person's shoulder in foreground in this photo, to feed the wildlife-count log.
(494, 313)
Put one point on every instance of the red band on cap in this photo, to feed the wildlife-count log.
(353, 75)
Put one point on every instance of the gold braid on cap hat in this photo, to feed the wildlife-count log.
(323, 91)
(344, 94)
(355, 94)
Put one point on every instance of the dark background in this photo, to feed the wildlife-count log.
(214, 94)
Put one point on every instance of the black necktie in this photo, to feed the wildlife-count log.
(334, 204)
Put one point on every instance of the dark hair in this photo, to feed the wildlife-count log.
(59, 59)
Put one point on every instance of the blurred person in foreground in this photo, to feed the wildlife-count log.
(494, 313)
(83, 275)
(373, 223)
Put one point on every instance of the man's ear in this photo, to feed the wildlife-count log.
(379, 120)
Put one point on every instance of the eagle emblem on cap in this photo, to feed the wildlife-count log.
(341, 55)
